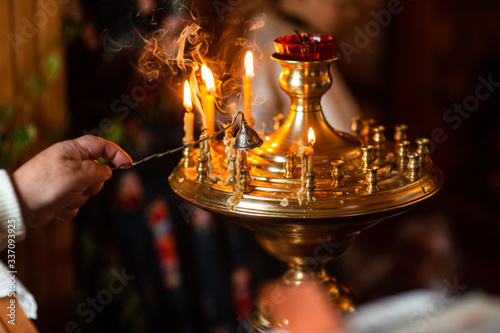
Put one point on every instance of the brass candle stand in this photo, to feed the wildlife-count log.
(357, 180)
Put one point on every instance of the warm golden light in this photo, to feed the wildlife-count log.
(249, 63)
(187, 97)
(311, 138)
(208, 77)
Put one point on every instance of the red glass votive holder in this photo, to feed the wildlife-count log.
(306, 47)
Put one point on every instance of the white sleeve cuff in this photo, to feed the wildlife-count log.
(10, 211)
(10, 285)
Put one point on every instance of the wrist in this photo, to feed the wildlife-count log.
(22, 198)
(10, 206)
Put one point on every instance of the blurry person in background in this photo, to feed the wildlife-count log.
(283, 17)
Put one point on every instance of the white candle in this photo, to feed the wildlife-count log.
(188, 115)
(209, 98)
(247, 86)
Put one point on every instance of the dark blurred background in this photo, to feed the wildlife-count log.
(71, 67)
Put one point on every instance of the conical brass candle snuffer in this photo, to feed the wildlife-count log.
(308, 214)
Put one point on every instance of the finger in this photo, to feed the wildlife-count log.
(66, 214)
(94, 189)
(92, 172)
(113, 153)
(92, 147)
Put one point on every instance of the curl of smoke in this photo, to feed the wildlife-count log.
(183, 41)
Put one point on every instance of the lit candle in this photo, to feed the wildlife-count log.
(209, 102)
(306, 157)
(247, 86)
(188, 116)
(309, 151)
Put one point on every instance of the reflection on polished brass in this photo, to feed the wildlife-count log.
(400, 133)
(347, 196)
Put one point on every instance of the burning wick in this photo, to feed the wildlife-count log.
(311, 138)
(188, 115)
(247, 85)
(209, 98)
(309, 151)
(302, 36)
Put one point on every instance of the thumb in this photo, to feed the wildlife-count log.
(94, 172)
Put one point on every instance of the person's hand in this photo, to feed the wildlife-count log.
(58, 181)
(302, 308)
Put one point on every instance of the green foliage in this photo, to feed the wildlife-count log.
(36, 85)
(6, 113)
(5, 157)
(14, 138)
(116, 132)
(21, 137)
(53, 65)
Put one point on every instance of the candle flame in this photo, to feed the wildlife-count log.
(249, 63)
(208, 77)
(187, 97)
(311, 138)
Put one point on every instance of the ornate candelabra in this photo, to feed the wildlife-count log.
(307, 214)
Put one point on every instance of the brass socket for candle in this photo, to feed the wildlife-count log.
(289, 165)
(367, 157)
(378, 141)
(371, 180)
(202, 169)
(368, 125)
(400, 132)
(422, 149)
(402, 151)
(337, 173)
(188, 160)
(413, 166)
(310, 187)
(356, 127)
